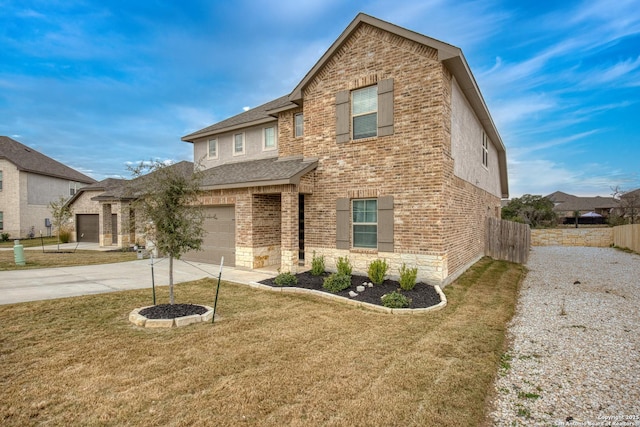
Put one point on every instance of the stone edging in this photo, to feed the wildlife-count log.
(139, 320)
(293, 290)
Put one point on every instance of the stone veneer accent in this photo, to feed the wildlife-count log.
(596, 237)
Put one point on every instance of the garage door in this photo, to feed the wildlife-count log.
(87, 228)
(219, 239)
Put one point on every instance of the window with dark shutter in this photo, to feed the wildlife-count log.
(365, 112)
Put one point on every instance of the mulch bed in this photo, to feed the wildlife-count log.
(422, 296)
(171, 311)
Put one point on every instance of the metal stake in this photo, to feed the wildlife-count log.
(217, 290)
(153, 280)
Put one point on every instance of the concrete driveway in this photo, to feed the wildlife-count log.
(49, 283)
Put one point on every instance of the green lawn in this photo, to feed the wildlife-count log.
(271, 359)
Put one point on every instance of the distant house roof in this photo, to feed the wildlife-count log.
(255, 116)
(257, 173)
(130, 189)
(102, 186)
(29, 160)
(569, 203)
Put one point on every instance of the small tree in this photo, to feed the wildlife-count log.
(166, 202)
(628, 203)
(537, 211)
(61, 213)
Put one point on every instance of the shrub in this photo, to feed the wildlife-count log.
(285, 279)
(377, 270)
(407, 277)
(4, 237)
(344, 266)
(337, 282)
(64, 235)
(395, 300)
(317, 265)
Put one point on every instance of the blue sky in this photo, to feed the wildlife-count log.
(98, 85)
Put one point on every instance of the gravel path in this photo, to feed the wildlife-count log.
(574, 356)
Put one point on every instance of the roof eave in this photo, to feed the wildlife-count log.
(192, 137)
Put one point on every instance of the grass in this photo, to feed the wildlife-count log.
(270, 360)
(30, 243)
(38, 259)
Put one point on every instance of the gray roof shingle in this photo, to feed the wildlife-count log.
(29, 160)
(257, 172)
(256, 114)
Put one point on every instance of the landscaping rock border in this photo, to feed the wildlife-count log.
(139, 320)
(294, 290)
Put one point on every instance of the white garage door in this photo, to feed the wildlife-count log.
(219, 239)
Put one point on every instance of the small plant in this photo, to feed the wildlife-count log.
(64, 235)
(377, 270)
(395, 300)
(4, 237)
(407, 277)
(317, 265)
(563, 311)
(285, 279)
(336, 282)
(344, 266)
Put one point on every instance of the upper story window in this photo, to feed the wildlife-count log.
(212, 151)
(298, 122)
(269, 138)
(485, 150)
(73, 187)
(364, 112)
(0, 180)
(238, 144)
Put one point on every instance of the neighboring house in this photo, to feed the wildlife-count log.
(93, 222)
(593, 209)
(103, 212)
(29, 181)
(386, 149)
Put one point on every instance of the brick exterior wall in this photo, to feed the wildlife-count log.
(438, 218)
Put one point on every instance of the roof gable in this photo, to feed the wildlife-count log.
(29, 160)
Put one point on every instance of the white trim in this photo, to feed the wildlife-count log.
(353, 224)
(275, 138)
(209, 156)
(367, 113)
(244, 144)
(485, 150)
(295, 126)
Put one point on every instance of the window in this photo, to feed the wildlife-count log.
(238, 144)
(212, 152)
(73, 187)
(365, 223)
(364, 112)
(485, 150)
(1, 221)
(269, 138)
(298, 122)
(0, 180)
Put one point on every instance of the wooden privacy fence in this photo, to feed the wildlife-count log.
(507, 240)
(627, 236)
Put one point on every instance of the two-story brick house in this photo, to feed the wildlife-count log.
(385, 149)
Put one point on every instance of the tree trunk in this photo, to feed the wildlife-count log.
(171, 279)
